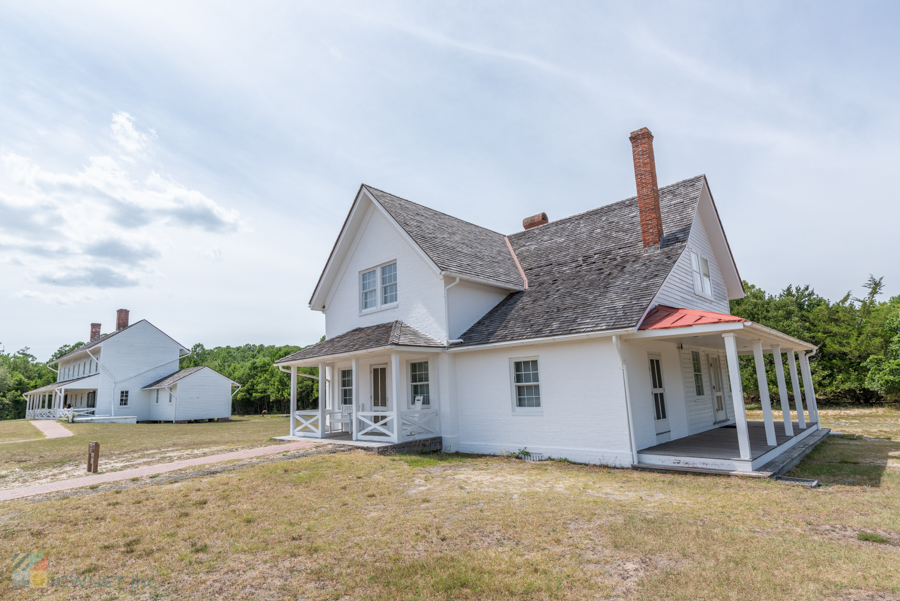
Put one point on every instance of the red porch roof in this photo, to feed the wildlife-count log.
(663, 317)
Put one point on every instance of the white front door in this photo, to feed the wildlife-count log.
(715, 377)
(659, 395)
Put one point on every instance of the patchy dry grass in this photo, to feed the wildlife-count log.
(18, 429)
(128, 445)
(361, 526)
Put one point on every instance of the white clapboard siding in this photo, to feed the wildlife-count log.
(205, 394)
(700, 413)
(678, 289)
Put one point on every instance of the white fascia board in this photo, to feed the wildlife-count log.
(546, 340)
(492, 283)
(776, 338)
(335, 258)
(403, 233)
(690, 330)
(706, 208)
(314, 361)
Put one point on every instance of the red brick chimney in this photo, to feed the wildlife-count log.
(95, 331)
(535, 220)
(121, 319)
(647, 189)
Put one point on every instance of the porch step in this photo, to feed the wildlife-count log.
(647, 467)
(790, 458)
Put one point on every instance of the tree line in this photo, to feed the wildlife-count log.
(858, 361)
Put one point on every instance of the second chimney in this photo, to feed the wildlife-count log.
(95, 331)
(535, 220)
(121, 319)
(647, 188)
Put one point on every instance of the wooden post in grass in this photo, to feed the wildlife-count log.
(93, 457)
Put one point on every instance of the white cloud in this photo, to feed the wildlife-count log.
(55, 298)
(103, 225)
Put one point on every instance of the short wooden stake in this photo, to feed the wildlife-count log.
(93, 456)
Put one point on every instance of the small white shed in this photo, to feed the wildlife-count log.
(190, 394)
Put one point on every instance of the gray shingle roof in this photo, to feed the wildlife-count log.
(172, 378)
(65, 383)
(589, 272)
(370, 337)
(454, 245)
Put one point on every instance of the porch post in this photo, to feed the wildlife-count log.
(293, 400)
(764, 394)
(795, 387)
(782, 392)
(323, 398)
(395, 393)
(737, 394)
(355, 395)
(808, 388)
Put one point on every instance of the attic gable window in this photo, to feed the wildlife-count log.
(378, 287)
(702, 279)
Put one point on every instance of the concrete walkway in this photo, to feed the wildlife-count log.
(52, 428)
(149, 470)
(49, 428)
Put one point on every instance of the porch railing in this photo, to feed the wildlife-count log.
(74, 412)
(41, 413)
(385, 426)
(308, 424)
(376, 425)
(419, 424)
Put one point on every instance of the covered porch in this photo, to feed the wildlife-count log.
(734, 444)
(386, 394)
(69, 399)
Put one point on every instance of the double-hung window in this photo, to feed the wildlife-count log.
(157, 396)
(702, 280)
(378, 287)
(346, 387)
(419, 385)
(698, 373)
(123, 398)
(526, 384)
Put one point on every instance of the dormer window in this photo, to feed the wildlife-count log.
(378, 287)
(702, 279)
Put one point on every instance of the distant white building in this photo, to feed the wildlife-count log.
(131, 375)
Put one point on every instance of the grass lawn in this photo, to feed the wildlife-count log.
(361, 526)
(125, 445)
(18, 429)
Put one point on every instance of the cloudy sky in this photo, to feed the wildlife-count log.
(193, 162)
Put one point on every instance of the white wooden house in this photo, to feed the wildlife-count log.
(605, 337)
(130, 375)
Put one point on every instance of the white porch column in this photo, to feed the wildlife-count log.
(782, 392)
(355, 392)
(795, 387)
(323, 398)
(293, 400)
(737, 394)
(396, 387)
(764, 394)
(808, 388)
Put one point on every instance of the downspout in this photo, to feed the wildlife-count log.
(617, 344)
(447, 311)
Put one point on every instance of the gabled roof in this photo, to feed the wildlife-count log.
(450, 246)
(392, 333)
(455, 246)
(590, 272)
(180, 375)
(663, 318)
(106, 337)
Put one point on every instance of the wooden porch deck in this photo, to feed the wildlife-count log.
(722, 443)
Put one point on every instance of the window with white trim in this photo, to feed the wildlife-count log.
(171, 396)
(702, 279)
(698, 373)
(346, 387)
(157, 396)
(526, 384)
(419, 383)
(123, 398)
(378, 287)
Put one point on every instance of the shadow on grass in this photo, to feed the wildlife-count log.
(849, 460)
